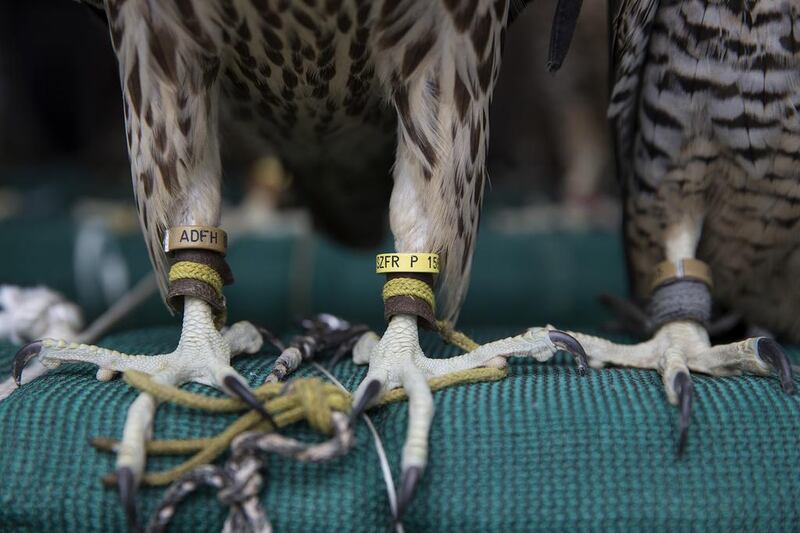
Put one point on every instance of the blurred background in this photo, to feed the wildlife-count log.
(548, 239)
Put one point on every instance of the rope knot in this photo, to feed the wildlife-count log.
(312, 399)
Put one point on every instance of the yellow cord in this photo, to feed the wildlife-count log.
(420, 289)
(409, 287)
(304, 399)
(456, 338)
(198, 271)
(307, 399)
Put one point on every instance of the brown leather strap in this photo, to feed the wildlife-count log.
(196, 288)
(408, 305)
(206, 257)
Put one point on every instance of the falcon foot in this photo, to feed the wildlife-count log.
(203, 356)
(322, 333)
(681, 347)
(240, 479)
(397, 360)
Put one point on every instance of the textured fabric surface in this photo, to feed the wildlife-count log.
(543, 449)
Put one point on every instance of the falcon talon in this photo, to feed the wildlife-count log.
(408, 487)
(241, 391)
(568, 343)
(367, 397)
(772, 353)
(126, 487)
(23, 357)
(682, 383)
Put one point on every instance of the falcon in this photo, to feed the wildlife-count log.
(368, 104)
(704, 110)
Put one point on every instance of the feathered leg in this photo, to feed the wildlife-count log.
(168, 67)
(439, 64)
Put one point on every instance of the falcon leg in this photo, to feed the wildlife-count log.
(397, 360)
(170, 82)
(681, 347)
(203, 355)
(681, 343)
(440, 79)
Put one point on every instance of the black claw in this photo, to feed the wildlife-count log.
(772, 353)
(241, 391)
(568, 343)
(682, 383)
(370, 393)
(126, 485)
(408, 485)
(269, 337)
(23, 357)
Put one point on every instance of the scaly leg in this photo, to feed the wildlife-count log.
(169, 68)
(681, 347)
(397, 360)
(440, 78)
(681, 344)
(203, 355)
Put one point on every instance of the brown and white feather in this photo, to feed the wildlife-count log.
(339, 89)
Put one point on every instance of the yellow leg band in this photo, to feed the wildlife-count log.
(407, 262)
(198, 271)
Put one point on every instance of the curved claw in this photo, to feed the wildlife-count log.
(772, 353)
(23, 357)
(241, 391)
(269, 337)
(682, 383)
(568, 343)
(126, 485)
(370, 393)
(408, 486)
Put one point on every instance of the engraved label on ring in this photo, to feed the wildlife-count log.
(198, 237)
(407, 262)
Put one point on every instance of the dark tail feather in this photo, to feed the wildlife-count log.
(564, 21)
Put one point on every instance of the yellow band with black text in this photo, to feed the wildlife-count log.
(425, 263)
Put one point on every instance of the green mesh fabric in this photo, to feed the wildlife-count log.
(543, 449)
